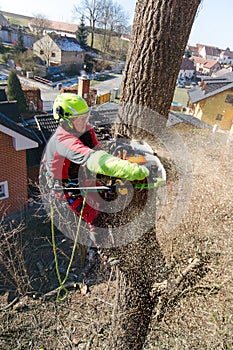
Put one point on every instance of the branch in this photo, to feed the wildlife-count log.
(171, 290)
(68, 285)
(169, 286)
(13, 302)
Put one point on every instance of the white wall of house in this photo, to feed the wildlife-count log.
(225, 59)
(45, 48)
(20, 142)
(51, 53)
(60, 32)
(186, 73)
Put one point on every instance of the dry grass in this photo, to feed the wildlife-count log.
(13, 270)
(203, 320)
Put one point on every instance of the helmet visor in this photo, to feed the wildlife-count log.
(80, 122)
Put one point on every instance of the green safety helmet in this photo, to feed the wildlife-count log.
(68, 105)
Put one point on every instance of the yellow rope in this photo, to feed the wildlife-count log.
(62, 282)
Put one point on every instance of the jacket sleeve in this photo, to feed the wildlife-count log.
(100, 162)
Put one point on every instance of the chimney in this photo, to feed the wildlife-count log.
(84, 89)
(204, 87)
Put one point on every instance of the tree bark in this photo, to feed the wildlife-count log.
(141, 264)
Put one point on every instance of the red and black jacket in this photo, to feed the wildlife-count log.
(67, 150)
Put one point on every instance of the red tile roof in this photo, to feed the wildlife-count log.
(207, 63)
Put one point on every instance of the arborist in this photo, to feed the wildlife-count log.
(73, 145)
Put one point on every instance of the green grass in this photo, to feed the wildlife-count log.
(17, 21)
(6, 53)
(181, 95)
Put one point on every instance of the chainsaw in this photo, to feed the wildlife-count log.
(134, 151)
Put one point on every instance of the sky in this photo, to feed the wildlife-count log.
(213, 25)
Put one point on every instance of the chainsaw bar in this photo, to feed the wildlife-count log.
(159, 181)
(87, 188)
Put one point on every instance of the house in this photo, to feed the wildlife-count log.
(175, 118)
(9, 33)
(47, 26)
(10, 108)
(9, 36)
(209, 52)
(212, 101)
(205, 66)
(226, 57)
(192, 50)
(4, 23)
(15, 140)
(212, 53)
(126, 37)
(187, 69)
(56, 50)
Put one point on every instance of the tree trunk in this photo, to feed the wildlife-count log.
(160, 33)
(141, 264)
(104, 44)
(92, 33)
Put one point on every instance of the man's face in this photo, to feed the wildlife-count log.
(80, 122)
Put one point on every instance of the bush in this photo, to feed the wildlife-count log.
(15, 92)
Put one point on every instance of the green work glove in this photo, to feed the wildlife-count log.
(100, 162)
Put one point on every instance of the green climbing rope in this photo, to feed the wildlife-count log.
(62, 287)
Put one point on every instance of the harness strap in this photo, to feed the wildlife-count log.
(62, 282)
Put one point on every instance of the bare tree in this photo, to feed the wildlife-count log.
(112, 19)
(91, 10)
(39, 23)
(104, 20)
(118, 20)
(160, 33)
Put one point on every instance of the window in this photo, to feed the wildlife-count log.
(229, 99)
(4, 190)
(53, 54)
(219, 117)
(41, 52)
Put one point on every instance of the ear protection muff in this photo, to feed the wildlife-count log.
(63, 116)
(60, 111)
